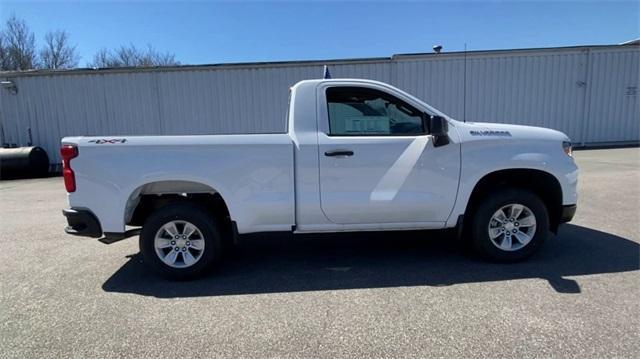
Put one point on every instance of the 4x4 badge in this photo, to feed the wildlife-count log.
(111, 140)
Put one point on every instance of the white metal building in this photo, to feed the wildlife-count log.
(588, 92)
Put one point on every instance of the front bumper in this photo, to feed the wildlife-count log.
(567, 213)
(82, 223)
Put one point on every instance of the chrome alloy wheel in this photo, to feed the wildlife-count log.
(512, 227)
(179, 244)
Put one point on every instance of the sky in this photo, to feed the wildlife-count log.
(223, 32)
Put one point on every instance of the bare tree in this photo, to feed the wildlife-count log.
(128, 56)
(57, 52)
(18, 51)
(4, 54)
(154, 58)
(102, 59)
(19, 45)
(131, 56)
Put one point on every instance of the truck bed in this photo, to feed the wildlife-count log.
(253, 173)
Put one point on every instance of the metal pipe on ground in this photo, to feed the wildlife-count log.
(23, 162)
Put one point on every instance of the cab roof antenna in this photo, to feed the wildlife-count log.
(326, 74)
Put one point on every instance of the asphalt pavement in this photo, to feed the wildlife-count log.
(392, 294)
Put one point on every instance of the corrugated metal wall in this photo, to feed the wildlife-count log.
(590, 93)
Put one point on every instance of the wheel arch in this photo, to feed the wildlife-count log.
(150, 196)
(544, 184)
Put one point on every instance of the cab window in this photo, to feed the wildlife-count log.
(358, 111)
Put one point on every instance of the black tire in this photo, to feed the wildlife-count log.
(490, 205)
(193, 214)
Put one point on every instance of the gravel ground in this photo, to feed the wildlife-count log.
(392, 294)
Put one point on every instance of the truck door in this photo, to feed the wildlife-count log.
(378, 164)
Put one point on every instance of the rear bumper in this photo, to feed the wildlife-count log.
(567, 213)
(82, 223)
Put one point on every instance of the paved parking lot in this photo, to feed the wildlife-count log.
(385, 294)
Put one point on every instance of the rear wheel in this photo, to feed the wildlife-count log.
(180, 241)
(510, 225)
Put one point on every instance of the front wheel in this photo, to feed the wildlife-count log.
(180, 241)
(510, 225)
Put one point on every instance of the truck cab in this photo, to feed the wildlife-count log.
(371, 158)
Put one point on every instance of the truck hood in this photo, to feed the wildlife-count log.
(487, 130)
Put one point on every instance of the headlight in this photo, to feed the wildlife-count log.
(568, 148)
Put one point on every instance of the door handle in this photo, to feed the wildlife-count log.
(337, 153)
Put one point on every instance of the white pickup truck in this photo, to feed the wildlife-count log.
(358, 155)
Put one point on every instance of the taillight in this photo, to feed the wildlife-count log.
(68, 152)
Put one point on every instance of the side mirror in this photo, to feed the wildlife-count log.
(438, 126)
